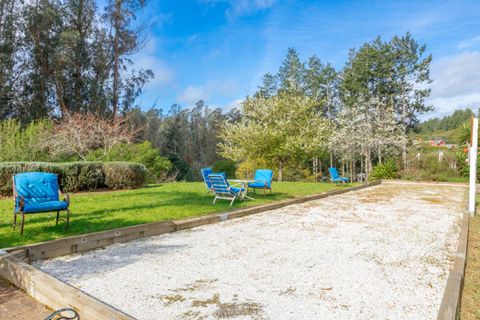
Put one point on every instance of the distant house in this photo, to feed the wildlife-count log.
(437, 143)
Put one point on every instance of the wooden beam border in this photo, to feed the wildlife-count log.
(452, 296)
(53, 292)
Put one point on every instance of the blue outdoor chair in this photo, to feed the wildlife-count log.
(205, 172)
(263, 180)
(223, 190)
(335, 177)
(36, 192)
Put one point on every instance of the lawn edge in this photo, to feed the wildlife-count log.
(90, 241)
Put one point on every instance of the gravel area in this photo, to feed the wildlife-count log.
(378, 253)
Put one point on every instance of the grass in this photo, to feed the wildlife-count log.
(99, 211)
(470, 307)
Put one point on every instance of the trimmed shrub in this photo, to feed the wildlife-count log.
(78, 176)
(227, 166)
(124, 175)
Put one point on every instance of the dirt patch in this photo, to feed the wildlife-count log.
(231, 309)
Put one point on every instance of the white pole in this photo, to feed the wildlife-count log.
(473, 167)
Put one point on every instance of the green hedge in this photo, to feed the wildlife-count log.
(79, 176)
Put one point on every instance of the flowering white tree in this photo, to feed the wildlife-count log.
(366, 130)
(277, 129)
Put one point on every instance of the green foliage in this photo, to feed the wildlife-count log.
(229, 167)
(124, 175)
(19, 143)
(78, 176)
(281, 129)
(453, 121)
(158, 167)
(387, 170)
(429, 168)
(181, 169)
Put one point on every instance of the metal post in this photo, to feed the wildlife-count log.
(473, 167)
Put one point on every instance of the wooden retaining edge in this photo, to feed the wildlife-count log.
(86, 242)
(53, 292)
(426, 183)
(452, 296)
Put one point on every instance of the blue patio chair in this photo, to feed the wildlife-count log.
(335, 177)
(223, 190)
(205, 172)
(36, 192)
(263, 180)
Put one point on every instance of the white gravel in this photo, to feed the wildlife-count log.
(379, 253)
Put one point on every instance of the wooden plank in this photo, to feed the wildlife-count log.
(70, 245)
(55, 293)
(451, 300)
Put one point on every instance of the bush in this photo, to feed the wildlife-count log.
(227, 166)
(124, 175)
(158, 167)
(387, 170)
(78, 176)
(19, 143)
(180, 168)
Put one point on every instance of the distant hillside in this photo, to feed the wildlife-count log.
(447, 128)
(446, 123)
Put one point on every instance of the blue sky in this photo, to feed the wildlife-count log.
(217, 50)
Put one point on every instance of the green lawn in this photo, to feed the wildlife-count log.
(102, 211)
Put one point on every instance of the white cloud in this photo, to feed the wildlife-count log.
(240, 8)
(147, 59)
(456, 82)
(206, 91)
(469, 43)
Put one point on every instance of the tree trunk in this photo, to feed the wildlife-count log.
(280, 172)
(116, 59)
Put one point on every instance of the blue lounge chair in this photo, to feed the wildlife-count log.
(205, 172)
(36, 192)
(223, 190)
(335, 177)
(263, 180)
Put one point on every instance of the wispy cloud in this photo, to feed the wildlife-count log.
(238, 8)
(206, 91)
(456, 82)
(469, 43)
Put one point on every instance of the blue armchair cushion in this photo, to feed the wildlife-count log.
(45, 206)
(39, 190)
(263, 179)
(236, 190)
(205, 172)
(335, 176)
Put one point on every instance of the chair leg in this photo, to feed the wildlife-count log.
(14, 220)
(68, 219)
(215, 199)
(58, 216)
(264, 191)
(231, 202)
(22, 223)
(254, 191)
